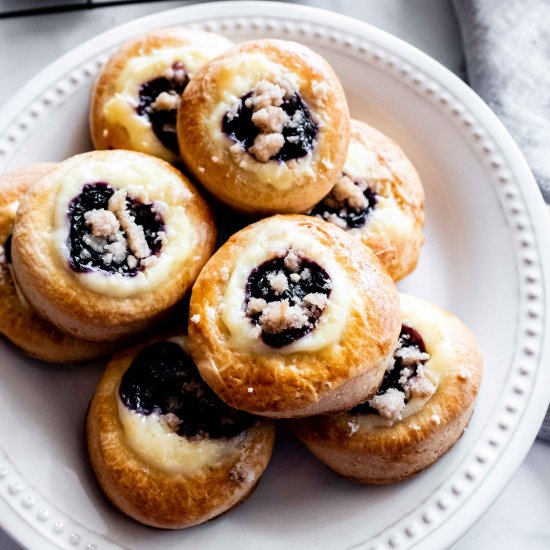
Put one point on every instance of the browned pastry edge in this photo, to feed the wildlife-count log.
(116, 136)
(333, 378)
(390, 454)
(75, 309)
(19, 323)
(156, 497)
(215, 168)
(405, 188)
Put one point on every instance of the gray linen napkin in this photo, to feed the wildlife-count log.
(507, 48)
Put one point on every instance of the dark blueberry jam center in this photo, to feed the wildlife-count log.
(313, 279)
(7, 249)
(352, 217)
(163, 379)
(299, 138)
(163, 121)
(86, 255)
(408, 337)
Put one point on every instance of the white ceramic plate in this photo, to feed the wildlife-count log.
(482, 259)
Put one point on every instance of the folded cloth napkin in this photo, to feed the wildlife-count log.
(507, 48)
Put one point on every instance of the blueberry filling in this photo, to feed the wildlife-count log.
(299, 132)
(285, 297)
(342, 213)
(162, 114)
(163, 379)
(112, 249)
(400, 376)
(7, 249)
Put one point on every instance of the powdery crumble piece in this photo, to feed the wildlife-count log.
(267, 145)
(327, 164)
(336, 220)
(270, 119)
(202, 170)
(420, 386)
(255, 305)
(241, 473)
(250, 390)
(166, 101)
(345, 191)
(131, 261)
(435, 418)
(390, 404)
(266, 94)
(294, 277)
(280, 316)
(292, 262)
(316, 299)
(278, 282)
(463, 375)
(416, 427)
(411, 355)
(102, 222)
(196, 318)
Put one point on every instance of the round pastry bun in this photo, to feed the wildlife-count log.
(88, 303)
(237, 177)
(119, 126)
(367, 449)
(19, 323)
(393, 228)
(339, 363)
(160, 496)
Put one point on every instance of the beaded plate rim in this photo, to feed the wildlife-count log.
(519, 199)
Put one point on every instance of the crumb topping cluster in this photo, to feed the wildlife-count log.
(113, 232)
(270, 123)
(404, 378)
(348, 204)
(285, 297)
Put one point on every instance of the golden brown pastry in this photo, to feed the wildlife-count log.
(291, 318)
(18, 321)
(265, 127)
(166, 451)
(136, 95)
(419, 412)
(379, 199)
(107, 243)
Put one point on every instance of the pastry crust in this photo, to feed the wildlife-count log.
(392, 229)
(367, 451)
(117, 125)
(338, 364)
(236, 176)
(18, 321)
(92, 303)
(159, 497)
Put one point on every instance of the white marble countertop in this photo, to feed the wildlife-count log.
(519, 516)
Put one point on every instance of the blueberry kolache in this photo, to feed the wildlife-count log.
(165, 449)
(19, 323)
(419, 412)
(379, 199)
(290, 318)
(136, 95)
(265, 127)
(122, 234)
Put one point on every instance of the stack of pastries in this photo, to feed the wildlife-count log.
(295, 316)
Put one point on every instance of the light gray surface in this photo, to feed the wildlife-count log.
(519, 517)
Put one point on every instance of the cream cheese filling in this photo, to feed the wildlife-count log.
(152, 439)
(141, 180)
(274, 240)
